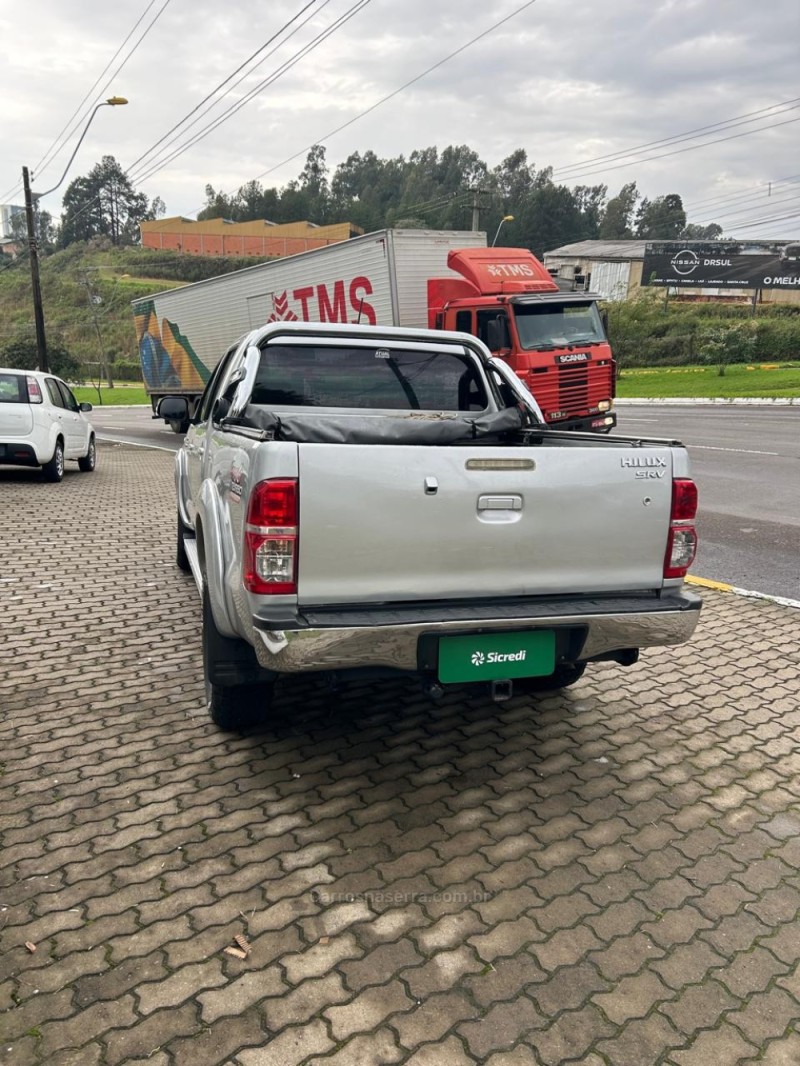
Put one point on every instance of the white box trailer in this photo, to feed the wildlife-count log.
(380, 279)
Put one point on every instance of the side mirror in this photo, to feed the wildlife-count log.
(86, 407)
(173, 408)
(604, 320)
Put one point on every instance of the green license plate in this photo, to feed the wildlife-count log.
(492, 656)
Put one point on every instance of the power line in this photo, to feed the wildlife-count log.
(233, 109)
(233, 74)
(749, 208)
(397, 91)
(763, 185)
(689, 148)
(54, 151)
(700, 131)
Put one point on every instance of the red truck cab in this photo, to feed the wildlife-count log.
(554, 341)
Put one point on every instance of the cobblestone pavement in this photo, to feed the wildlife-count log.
(604, 877)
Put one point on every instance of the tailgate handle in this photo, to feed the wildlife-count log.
(499, 503)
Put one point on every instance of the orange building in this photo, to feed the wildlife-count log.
(261, 239)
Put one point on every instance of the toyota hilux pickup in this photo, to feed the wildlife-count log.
(359, 499)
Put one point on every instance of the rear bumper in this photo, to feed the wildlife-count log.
(393, 637)
(19, 455)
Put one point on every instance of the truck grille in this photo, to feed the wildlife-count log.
(571, 390)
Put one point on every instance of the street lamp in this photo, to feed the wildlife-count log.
(505, 218)
(38, 312)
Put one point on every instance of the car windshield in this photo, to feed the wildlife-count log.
(551, 326)
(382, 378)
(12, 389)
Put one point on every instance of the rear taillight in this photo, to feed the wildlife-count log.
(270, 538)
(34, 392)
(682, 539)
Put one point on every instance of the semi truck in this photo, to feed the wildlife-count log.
(444, 280)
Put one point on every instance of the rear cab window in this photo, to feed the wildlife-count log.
(393, 379)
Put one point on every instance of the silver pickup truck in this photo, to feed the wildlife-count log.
(354, 499)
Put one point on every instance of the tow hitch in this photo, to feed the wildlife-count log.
(501, 690)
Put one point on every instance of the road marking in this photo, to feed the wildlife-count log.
(706, 583)
(742, 451)
(720, 586)
(136, 444)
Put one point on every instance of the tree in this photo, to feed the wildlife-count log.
(692, 232)
(23, 354)
(103, 202)
(42, 227)
(662, 219)
(617, 223)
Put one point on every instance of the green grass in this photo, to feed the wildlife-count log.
(119, 395)
(776, 380)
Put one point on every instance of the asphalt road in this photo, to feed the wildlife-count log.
(746, 461)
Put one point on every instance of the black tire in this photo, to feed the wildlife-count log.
(88, 462)
(181, 558)
(562, 677)
(53, 469)
(238, 691)
(179, 425)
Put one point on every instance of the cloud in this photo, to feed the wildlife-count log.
(566, 81)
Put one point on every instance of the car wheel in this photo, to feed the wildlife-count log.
(88, 462)
(562, 677)
(54, 469)
(181, 558)
(238, 691)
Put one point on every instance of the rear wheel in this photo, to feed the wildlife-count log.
(88, 462)
(562, 677)
(53, 470)
(179, 425)
(238, 690)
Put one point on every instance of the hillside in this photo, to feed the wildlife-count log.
(87, 293)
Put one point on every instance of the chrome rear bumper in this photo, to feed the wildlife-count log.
(375, 639)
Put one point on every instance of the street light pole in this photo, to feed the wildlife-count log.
(33, 246)
(505, 218)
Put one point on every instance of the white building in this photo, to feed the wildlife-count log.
(7, 213)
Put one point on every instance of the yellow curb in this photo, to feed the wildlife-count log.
(707, 584)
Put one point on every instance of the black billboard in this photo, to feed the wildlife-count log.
(724, 264)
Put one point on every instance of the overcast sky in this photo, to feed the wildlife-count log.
(567, 80)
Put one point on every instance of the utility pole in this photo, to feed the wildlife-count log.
(33, 251)
(476, 209)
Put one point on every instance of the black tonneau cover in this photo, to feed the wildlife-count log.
(341, 428)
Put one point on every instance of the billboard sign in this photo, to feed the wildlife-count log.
(724, 265)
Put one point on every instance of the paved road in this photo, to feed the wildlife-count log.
(745, 461)
(606, 877)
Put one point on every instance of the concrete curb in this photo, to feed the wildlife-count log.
(689, 401)
(720, 586)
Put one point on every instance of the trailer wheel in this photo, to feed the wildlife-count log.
(238, 691)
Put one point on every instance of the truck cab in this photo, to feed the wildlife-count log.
(554, 341)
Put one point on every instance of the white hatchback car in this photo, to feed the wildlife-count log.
(42, 424)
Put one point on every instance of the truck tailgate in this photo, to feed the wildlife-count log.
(403, 523)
